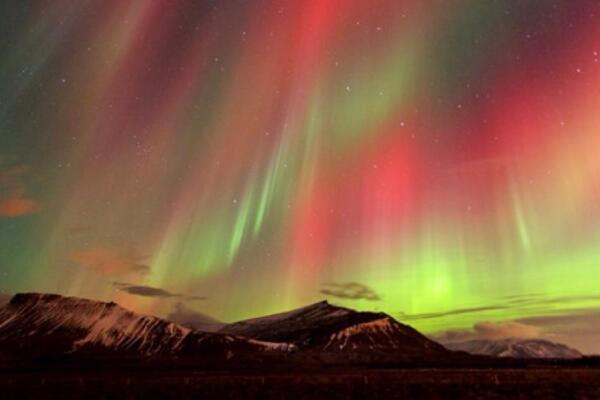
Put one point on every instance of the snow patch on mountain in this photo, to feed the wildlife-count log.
(372, 330)
(274, 346)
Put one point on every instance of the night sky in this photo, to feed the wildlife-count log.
(437, 160)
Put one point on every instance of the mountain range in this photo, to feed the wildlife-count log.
(46, 326)
(35, 326)
(516, 348)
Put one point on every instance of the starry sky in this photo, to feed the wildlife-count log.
(438, 160)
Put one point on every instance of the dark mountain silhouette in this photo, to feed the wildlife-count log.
(34, 326)
(341, 334)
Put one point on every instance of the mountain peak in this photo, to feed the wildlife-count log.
(316, 311)
(324, 328)
(322, 305)
(85, 324)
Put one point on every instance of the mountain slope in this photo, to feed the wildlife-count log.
(516, 348)
(42, 326)
(36, 325)
(342, 333)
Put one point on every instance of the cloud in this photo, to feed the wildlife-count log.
(189, 318)
(489, 331)
(457, 311)
(14, 200)
(578, 328)
(525, 304)
(498, 330)
(108, 260)
(149, 291)
(146, 291)
(351, 290)
(16, 206)
(586, 320)
(551, 317)
(542, 300)
(195, 298)
(453, 336)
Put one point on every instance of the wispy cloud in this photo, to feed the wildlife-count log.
(578, 328)
(497, 330)
(457, 311)
(183, 315)
(146, 291)
(109, 260)
(14, 199)
(569, 319)
(489, 330)
(149, 291)
(528, 303)
(584, 320)
(351, 290)
(16, 206)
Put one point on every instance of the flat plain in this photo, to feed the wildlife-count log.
(355, 383)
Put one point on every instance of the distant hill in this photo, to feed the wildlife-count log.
(517, 348)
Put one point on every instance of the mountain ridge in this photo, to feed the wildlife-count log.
(516, 348)
(323, 328)
(34, 325)
(40, 325)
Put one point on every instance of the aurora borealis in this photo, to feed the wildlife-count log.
(441, 156)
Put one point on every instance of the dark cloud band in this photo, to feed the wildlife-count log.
(351, 291)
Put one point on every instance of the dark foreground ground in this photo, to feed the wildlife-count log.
(480, 383)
